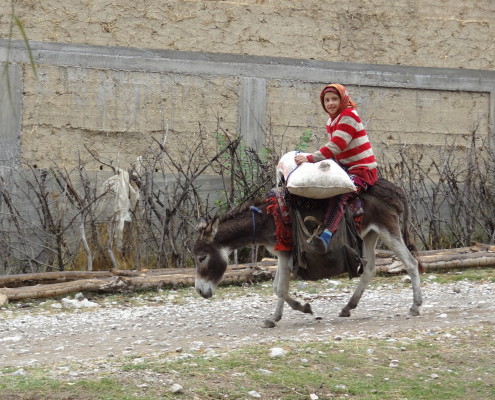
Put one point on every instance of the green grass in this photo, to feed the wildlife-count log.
(473, 275)
(456, 366)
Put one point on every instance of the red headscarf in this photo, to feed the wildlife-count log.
(345, 100)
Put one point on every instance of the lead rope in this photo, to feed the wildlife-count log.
(254, 211)
(290, 173)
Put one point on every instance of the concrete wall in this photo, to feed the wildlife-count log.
(10, 112)
(114, 75)
(442, 34)
(113, 100)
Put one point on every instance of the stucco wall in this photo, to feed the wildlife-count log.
(393, 117)
(445, 33)
(117, 106)
(113, 101)
(115, 113)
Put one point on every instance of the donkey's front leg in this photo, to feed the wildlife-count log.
(280, 287)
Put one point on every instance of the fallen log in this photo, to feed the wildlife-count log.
(43, 278)
(437, 261)
(49, 277)
(474, 248)
(54, 289)
(130, 280)
(3, 299)
(478, 262)
(233, 275)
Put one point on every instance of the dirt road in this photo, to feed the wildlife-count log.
(170, 322)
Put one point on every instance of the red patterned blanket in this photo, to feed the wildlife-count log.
(281, 215)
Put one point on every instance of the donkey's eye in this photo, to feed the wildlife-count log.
(201, 259)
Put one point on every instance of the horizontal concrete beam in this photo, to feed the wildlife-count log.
(196, 63)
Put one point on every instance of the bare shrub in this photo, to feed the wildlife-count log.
(452, 194)
(54, 219)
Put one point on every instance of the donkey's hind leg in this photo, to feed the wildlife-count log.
(369, 243)
(396, 244)
(296, 305)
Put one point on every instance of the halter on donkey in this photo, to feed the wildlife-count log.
(383, 204)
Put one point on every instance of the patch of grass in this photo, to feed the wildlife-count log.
(362, 369)
(37, 383)
(446, 365)
(473, 275)
(38, 386)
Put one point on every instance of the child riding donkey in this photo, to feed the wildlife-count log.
(350, 147)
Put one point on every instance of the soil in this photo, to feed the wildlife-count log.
(171, 322)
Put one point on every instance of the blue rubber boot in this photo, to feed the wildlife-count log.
(322, 242)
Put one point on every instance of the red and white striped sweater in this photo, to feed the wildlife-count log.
(349, 145)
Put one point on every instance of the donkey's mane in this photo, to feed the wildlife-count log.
(241, 209)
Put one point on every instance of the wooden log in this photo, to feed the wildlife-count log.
(482, 246)
(125, 280)
(460, 257)
(54, 289)
(436, 262)
(127, 283)
(67, 276)
(476, 247)
(477, 262)
(3, 299)
(18, 280)
(37, 278)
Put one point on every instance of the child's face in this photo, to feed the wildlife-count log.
(332, 102)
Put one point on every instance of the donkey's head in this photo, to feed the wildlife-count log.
(210, 258)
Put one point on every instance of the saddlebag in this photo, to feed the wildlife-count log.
(343, 256)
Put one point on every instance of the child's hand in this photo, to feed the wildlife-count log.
(300, 159)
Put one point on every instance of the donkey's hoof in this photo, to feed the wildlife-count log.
(345, 313)
(268, 323)
(307, 309)
(413, 312)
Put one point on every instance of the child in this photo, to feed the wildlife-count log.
(350, 147)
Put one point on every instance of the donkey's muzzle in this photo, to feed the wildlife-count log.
(204, 288)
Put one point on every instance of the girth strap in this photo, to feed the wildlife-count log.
(254, 211)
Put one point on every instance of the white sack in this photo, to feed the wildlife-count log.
(313, 180)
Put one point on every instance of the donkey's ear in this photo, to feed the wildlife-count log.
(208, 230)
(211, 230)
(202, 224)
(214, 226)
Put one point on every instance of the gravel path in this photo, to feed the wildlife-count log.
(172, 322)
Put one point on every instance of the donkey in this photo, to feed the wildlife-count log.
(383, 204)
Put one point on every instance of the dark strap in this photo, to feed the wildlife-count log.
(290, 173)
(254, 211)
